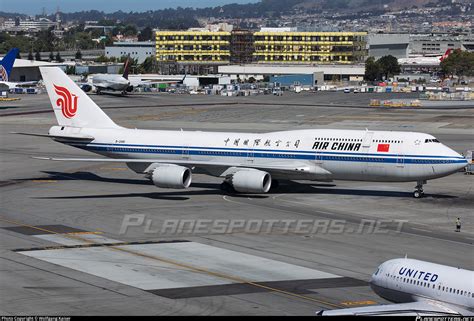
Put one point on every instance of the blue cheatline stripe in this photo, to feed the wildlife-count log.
(312, 152)
(203, 152)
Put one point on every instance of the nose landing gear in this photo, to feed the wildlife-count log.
(418, 193)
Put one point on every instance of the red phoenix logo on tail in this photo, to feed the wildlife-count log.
(67, 101)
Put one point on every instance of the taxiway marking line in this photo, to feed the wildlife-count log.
(182, 265)
(353, 303)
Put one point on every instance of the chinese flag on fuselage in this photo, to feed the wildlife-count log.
(383, 147)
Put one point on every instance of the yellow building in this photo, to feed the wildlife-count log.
(193, 47)
(277, 47)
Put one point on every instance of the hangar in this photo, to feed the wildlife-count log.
(28, 70)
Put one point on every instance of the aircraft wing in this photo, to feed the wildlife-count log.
(139, 82)
(284, 167)
(419, 308)
(26, 83)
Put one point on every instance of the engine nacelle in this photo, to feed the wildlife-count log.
(86, 88)
(171, 176)
(129, 89)
(251, 181)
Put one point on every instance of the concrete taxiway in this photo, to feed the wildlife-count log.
(62, 250)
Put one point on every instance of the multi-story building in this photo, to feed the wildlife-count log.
(18, 24)
(384, 44)
(139, 50)
(193, 50)
(201, 51)
(292, 47)
(438, 44)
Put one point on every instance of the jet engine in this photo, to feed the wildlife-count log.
(171, 176)
(251, 181)
(129, 89)
(86, 88)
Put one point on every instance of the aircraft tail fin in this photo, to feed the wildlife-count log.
(71, 105)
(6, 64)
(126, 67)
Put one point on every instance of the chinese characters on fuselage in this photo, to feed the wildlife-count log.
(258, 141)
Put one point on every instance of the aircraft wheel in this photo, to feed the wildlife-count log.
(418, 194)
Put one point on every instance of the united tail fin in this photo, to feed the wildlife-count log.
(72, 106)
(6, 64)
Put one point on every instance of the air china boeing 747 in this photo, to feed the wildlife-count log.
(419, 288)
(248, 162)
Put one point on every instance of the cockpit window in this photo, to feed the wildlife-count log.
(431, 140)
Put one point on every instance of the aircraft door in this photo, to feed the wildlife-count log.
(439, 288)
(185, 153)
(400, 158)
(366, 144)
(318, 158)
(185, 149)
(367, 141)
(250, 154)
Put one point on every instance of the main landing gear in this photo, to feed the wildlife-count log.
(418, 193)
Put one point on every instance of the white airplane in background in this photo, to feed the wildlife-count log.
(122, 83)
(422, 288)
(248, 162)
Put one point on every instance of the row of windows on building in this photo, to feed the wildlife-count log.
(192, 38)
(124, 53)
(262, 58)
(307, 38)
(307, 48)
(194, 58)
(193, 47)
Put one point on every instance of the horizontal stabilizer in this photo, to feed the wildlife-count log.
(67, 137)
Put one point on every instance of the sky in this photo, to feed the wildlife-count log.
(36, 6)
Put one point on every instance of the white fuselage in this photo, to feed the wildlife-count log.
(110, 82)
(13, 85)
(408, 280)
(346, 154)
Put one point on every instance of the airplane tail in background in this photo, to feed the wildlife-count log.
(71, 105)
(6, 64)
(446, 54)
(126, 67)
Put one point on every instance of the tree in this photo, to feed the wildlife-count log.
(389, 66)
(373, 70)
(459, 63)
(78, 54)
(148, 66)
(130, 30)
(146, 34)
(58, 57)
(37, 55)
